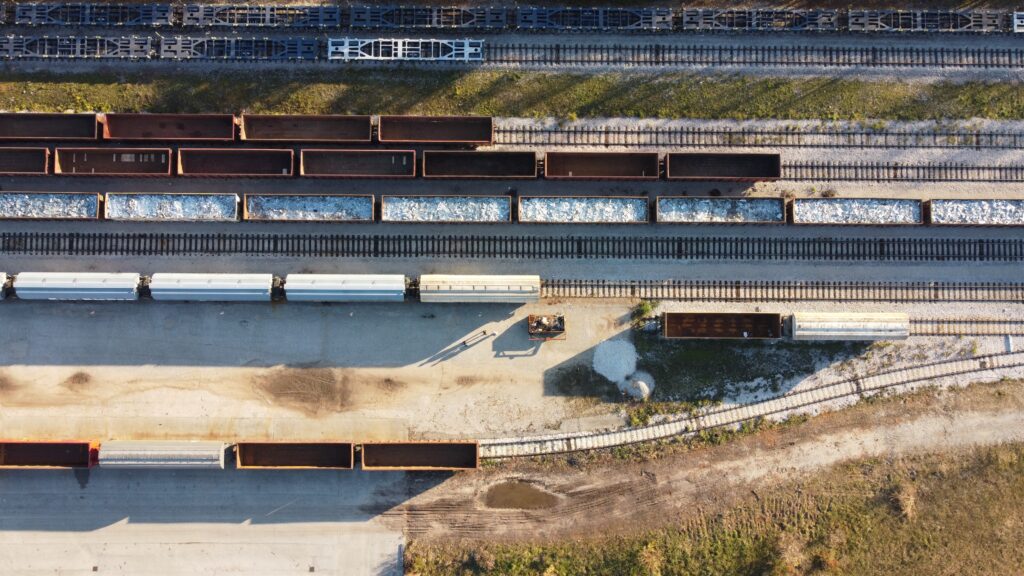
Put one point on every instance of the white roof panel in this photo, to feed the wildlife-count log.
(161, 454)
(345, 287)
(466, 288)
(211, 287)
(77, 285)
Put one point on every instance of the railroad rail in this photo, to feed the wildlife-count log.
(513, 247)
(793, 136)
(965, 327)
(859, 387)
(897, 172)
(661, 55)
(786, 291)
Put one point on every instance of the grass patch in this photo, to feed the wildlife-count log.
(712, 370)
(511, 93)
(893, 517)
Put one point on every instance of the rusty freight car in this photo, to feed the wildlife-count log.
(306, 128)
(15, 454)
(15, 126)
(357, 163)
(112, 161)
(239, 162)
(727, 325)
(193, 127)
(729, 167)
(295, 455)
(24, 161)
(470, 130)
(420, 456)
(602, 165)
(465, 164)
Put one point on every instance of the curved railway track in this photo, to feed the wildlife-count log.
(793, 136)
(785, 291)
(513, 247)
(662, 55)
(733, 416)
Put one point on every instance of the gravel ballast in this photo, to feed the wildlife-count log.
(978, 212)
(300, 207)
(49, 205)
(856, 211)
(172, 207)
(582, 210)
(721, 210)
(445, 208)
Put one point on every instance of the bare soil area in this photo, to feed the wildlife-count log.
(608, 495)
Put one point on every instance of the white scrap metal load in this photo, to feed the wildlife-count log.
(345, 287)
(445, 209)
(77, 286)
(145, 207)
(49, 206)
(309, 208)
(582, 210)
(492, 289)
(863, 211)
(212, 287)
(978, 212)
(162, 454)
(721, 210)
(850, 326)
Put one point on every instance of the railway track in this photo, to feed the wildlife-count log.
(786, 291)
(513, 247)
(965, 327)
(733, 416)
(793, 136)
(663, 55)
(897, 172)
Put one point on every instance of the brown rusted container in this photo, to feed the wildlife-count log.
(306, 128)
(602, 165)
(112, 161)
(475, 130)
(316, 163)
(24, 161)
(420, 456)
(730, 167)
(236, 162)
(191, 127)
(74, 454)
(727, 325)
(15, 126)
(295, 455)
(465, 164)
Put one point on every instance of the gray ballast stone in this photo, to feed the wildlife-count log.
(978, 212)
(445, 209)
(48, 205)
(583, 210)
(173, 207)
(321, 208)
(720, 210)
(856, 211)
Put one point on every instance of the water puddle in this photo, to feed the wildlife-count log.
(519, 496)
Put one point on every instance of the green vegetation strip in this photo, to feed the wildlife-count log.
(510, 93)
(939, 514)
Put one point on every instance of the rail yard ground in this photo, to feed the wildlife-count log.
(511, 93)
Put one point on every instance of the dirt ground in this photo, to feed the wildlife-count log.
(623, 497)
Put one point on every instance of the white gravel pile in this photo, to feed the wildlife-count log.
(978, 212)
(172, 207)
(582, 210)
(445, 209)
(300, 207)
(856, 211)
(48, 205)
(720, 210)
